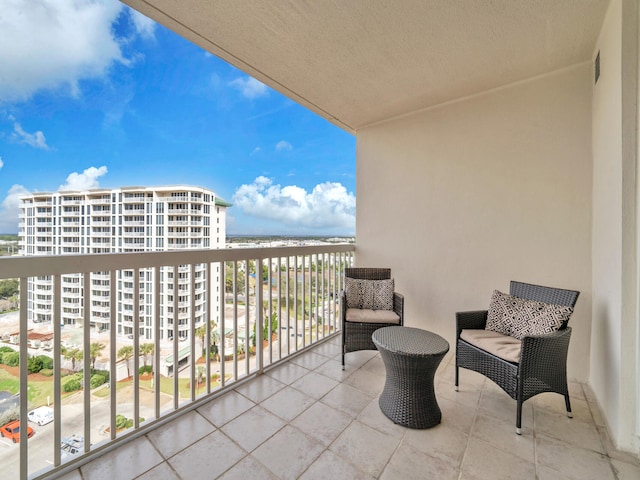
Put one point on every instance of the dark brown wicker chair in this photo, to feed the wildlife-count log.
(357, 335)
(543, 358)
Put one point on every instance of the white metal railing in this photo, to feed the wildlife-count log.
(289, 294)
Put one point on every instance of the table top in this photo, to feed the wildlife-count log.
(410, 341)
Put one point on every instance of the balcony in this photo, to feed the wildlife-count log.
(290, 411)
(512, 170)
(299, 281)
(306, 418)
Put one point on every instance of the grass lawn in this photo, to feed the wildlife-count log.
(166, 386)
(39, 389)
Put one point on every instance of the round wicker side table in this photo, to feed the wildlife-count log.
(411, 357)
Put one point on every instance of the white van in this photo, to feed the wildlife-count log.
(41, 415)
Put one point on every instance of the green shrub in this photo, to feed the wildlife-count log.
(47, 372)
(142, 370)
(124, 422)
(34, 364)
(47, 362)
(104, 373)
(11, 359)
(97, 380)
(71, 385)
(4, 349)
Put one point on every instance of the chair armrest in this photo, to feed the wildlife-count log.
(542, 354)
(475, 319)
(398, 306)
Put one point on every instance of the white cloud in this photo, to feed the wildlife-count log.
(256, 151)
(10, 208)
(53, 44)
(283, 145)
(145, 27)
(328, 208)
(250, 87)
(85, 180)
(35, 140)
(1, 163)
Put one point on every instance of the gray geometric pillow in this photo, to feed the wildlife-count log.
(382, 293)
(369, 294)
(518, 317)
(354, 292)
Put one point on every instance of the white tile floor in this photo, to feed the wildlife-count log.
(308, 419)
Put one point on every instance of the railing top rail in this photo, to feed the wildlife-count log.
(32, 266)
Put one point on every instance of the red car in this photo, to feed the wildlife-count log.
(12, 430)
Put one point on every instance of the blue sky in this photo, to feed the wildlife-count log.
(93, 94)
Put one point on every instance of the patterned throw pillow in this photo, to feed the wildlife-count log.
(382, 294)
(354, 292)
(369, 294)
(518, 317)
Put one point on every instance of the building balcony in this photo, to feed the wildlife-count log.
(289, 410)
(132, 199)
(306, 418)
(70, 213)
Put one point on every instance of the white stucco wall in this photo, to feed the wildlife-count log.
(614, 341)
(461, 198)
(607, 218)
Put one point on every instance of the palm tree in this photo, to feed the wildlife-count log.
(215, 338)
(146, 349)
(201, 333)
(125, 353)
(94, 352)
(75, 355)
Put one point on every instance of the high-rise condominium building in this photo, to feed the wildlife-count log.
(128, 219)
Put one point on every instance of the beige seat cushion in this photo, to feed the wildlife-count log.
(372, 316)
(503, 346)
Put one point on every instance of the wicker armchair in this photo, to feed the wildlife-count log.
(356, 335)
(542, 365)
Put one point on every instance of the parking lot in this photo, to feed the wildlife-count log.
(41, 445)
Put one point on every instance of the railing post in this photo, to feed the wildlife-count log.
(24, 382)
(259, 325)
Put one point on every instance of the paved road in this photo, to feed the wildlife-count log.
(41, 445)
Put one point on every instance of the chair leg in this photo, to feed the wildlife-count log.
(519, 418)
(568, 404)
(343, 345)
(456, 384)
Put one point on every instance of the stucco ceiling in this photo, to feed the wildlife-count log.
(358, 62)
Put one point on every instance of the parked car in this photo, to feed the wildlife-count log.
(71, 445)
(12, 430)
(41, 415)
